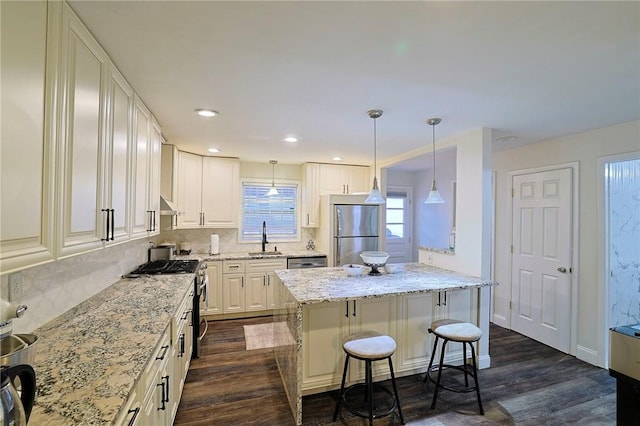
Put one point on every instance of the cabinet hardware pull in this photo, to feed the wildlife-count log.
(135, 412)
(154, 220)
(166, 378)
(354, 308)
(347, 314)
(181, 345)
(268, 279)
(308, 220)
(242, 281)
(264, 281)
(107, 235)
(164, 352)
(163, 407)
(113, 223)
(445, 298)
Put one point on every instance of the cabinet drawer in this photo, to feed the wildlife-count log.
(157, 360)
(232, 266)
(265, 265)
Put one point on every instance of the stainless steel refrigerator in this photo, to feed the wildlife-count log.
(355, 230)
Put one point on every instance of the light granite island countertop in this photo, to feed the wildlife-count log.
(89, 359)
(306, 290)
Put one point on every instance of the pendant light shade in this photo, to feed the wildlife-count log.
(434, 196)
(375, 197)
(273, 190)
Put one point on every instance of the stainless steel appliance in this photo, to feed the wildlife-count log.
(162, 252)
(348, 227)
(16, 407)
(200, 283)
(355, 230)
(306, 262)
(624, 365)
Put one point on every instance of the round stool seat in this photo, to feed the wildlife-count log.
(459, 332)
(437, 323)
(375, 347)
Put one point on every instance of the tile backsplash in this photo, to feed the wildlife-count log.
(54, 288)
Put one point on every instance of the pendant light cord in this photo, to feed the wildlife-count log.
(375, 147)
(433, 140)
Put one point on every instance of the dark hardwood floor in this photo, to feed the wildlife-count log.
(528, 384)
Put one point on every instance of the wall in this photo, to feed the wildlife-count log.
(54, 288)
(584, 148)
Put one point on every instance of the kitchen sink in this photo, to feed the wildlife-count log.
(265, 253)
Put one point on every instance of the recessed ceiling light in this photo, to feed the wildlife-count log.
(506, 138)
(206, 112)
(337, 158)
(291, 139)
(213, 150)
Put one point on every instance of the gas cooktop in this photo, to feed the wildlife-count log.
(156, 267)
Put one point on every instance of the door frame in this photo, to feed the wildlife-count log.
(575, 229)
(602, 357)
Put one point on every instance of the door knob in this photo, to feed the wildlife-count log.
(562, 269)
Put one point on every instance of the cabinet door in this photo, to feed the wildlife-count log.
(155, 163)
(256, 291)
(233, 293)
(453, 305)
(140, 216)
(414, 341)
(274, 287)
(324, 325)
(220, 192)
(214, 304)
(358, 179)
(82, 108)
(119, 115)
(26, 199)
(189, 197)
(332, 179)
(377, 315)
(310, 195)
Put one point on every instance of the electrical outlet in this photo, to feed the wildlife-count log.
(430, 259)
(15, 287)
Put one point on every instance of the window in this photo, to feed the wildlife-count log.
(280, 212)
(395, 214)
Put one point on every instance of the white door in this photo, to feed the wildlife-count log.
(541, 260)
(398, 225)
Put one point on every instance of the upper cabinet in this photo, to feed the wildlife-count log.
(80, 152)
(310, 195)
(81, 112)
(26, 192)
(338, 179)
(208, 192)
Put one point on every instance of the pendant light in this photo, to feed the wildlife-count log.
(273, 190)
(434, 196)
(375, 197)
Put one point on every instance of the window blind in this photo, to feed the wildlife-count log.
(278, 211)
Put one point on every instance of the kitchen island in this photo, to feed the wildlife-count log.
(322, 306)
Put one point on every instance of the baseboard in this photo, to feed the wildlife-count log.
(588, 355)
(484, 362)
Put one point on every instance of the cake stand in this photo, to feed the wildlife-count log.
(374, 267)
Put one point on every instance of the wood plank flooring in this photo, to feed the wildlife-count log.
(528, 384)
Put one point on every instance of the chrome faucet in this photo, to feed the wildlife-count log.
(264, 236)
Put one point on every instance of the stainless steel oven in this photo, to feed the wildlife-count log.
(200, 287)
(306, 262)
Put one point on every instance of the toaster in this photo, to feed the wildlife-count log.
(162, 253)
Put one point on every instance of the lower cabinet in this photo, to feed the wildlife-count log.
(243, 286)
(325, 326)
(155, 399)
(406, 318)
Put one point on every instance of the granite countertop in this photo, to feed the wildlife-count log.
(89, 359)
(333, 284)
(243, 255)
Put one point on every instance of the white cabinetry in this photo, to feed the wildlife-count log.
(310, 195)
(181, 349)
(83, 67)
(213, 304)
(457, 305)
(208, 191)
(154, 383)
(249, 285)
(26, 138)
(325, 325)
(337, 179)
(414, 341)
(145, 172)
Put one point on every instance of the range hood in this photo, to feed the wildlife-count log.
(167, 208)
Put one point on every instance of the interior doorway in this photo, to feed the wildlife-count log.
(620, 177)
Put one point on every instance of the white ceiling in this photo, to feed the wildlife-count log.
(312, 69)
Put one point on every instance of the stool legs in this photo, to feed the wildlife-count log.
(395, 391)
(475, 377)
(433, 355)
(344, 379)
(437, 387)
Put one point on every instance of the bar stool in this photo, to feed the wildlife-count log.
(460, 332)
(368, 348)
